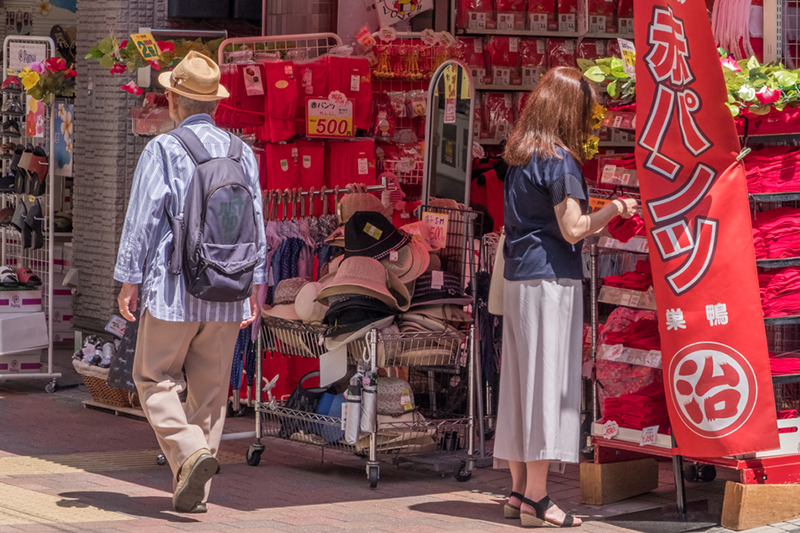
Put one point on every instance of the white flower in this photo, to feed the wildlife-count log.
(44, 7)
(748, 94)
(61, 111)
(69, 145)
(66, 124)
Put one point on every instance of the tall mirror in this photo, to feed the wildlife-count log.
(448, 134)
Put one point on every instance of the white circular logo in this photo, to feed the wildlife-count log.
(714, 388)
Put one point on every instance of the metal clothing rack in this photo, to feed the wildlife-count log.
(11, 247)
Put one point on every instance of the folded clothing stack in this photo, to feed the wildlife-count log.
(772, 169)
(776, 233)
(784, 366)
(787, 414)
(640, 279)
(641, 335)
(644, 408)
(780, 291)
(624, 229)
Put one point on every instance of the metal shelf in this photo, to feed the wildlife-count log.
(776, 197)
(556, 34)
(778, 263)
(786, 379)
(491, 142)
(782, 320)
(617, 144)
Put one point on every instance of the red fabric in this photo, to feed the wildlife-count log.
(311, 165)
(780, 292)
(645, 408)
(640, 279)
(281, 89)
(499, 114)
(405, 215)
(783, 367)
(773, 169)
(641, 335)
(352, 76)
(487, 189)
(351, 162)
(561, 53)
(240, 110)
(533, 60)
(625, 229)
(312, 82)
(776, 233)
(282, 170)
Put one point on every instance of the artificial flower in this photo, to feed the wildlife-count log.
(29, 79)
(747, 93)
(55, 64)
(123, 44)
(598, 114)
(66, 125)
(38, 67)
(154, 64)
(33, 105)
(132, 88)
(768, 96)
(730, 64)
(70, 73)
(43, 8)
(118, 68)
(166, 46)
(591, 147)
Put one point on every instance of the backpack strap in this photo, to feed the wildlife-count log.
(235, 151)
(192, 144)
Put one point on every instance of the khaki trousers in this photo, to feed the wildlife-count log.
(204, 350)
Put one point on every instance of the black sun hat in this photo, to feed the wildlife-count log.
(369, 234)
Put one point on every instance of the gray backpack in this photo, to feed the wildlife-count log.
(215, 238)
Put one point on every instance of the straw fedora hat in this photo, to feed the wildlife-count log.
(362, 201)
(306, 305)
(196, 77)
(368, 277)
(411, 262)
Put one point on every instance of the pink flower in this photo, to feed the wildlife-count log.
(731, 64)
(768, 96)
(155, 65)
(132, 88)
(165, 46)
(69, 73)
(55, 64)
(38, 67)
(124, 44)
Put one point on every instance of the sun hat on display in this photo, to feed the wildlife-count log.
(362, 201)
(435, 264)
(196, 77)
(336, 238)
(450, 313)
(348, 312)
(308, 309)
(410, 262)
(449, 292)
(421, 233)
(369, 234)
(285, 295)
(336, 340)
(368, 277)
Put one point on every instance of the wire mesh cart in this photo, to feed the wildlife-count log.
(432, 436)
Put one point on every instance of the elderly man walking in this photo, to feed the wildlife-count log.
(194, 241)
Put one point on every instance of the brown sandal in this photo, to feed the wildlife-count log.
(509, 510)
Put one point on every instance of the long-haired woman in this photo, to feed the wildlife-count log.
(546, 220)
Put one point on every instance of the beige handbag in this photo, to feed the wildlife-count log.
(496, 286)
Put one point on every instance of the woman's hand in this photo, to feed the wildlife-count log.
(627, 207)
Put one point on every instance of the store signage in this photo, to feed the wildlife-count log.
(147, 46)
(713, 343)
(437, 224)
(21, 55)
(331, 118)
(628, 56)
(649, 435)
(596, 204)
(610, 429)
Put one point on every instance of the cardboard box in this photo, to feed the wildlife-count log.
(64, 337)
(21, 301)
(21, 363)
(62, 297)
(606, 483)
(62, 317)
(22, 332)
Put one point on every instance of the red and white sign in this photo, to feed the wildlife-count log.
(713, 343)
(331, 118)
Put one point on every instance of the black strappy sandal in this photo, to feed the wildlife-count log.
(533, 520)
(509, 510)
(546, 503)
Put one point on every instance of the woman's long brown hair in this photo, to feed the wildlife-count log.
(557, 113)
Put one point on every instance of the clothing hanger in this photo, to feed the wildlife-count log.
(285, 203)
(311, 202)
(324, 201)
(336, 203)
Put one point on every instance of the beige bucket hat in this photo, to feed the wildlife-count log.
(195, 77)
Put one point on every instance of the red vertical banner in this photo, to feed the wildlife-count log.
(713, 341)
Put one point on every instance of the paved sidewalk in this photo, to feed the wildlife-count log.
(66, 468)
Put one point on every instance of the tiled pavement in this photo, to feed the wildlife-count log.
(66, 468)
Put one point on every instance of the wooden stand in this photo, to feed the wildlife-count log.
(606, 483)
(749, 506)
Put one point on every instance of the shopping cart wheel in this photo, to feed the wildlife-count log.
(374, 473)
(161, 460)
(707, 472)
(254, 454)
(51, 387)
(690, 473)
(461, 473)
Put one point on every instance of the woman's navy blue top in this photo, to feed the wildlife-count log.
(535, 248)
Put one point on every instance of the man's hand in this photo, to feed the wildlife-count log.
(127, 301)
(253, 308)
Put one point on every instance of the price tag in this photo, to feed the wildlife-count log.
(608, 173)
(477, 21)
(613, 353)
(566, 23)
(388, 35)
(626, 26)
(597, 24)
(634, 302)
(596, 204)
(628, 56)
(649, 436)
(147, 46)
(116, 326)
(505, 21)
(437, 224)
(653, 359)
(428, 37)
(450, 111)
(328, 119)
(625, 299)
(437, 279)
(355, 83)
(363, 166)
(538, 21)
(610, 429)
(394, 256)
(405, 400)
(252, 81)
(502, 76)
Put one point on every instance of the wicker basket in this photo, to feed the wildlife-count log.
(101, 392)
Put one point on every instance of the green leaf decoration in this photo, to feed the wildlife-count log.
(585, 64)
(595, 74)
(753, 63)
(107, 61)
(617, 63)
(786, 78)
(733, 109)
(722, 53)
(106, 46)
(612, 90)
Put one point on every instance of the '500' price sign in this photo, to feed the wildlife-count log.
(329, 120)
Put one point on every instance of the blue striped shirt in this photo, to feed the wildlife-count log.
(142, 259)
